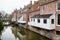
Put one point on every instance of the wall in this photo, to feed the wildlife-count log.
(48, 8)
(24, 16)
(14, 16)
(41, 24)
(34, 13)
(53, 25)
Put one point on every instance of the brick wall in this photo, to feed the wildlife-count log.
(48, 8)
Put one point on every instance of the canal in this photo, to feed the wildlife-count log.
(7, 33)
(19, 33)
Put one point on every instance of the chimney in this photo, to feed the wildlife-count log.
(34, 2)
(24, 6)
(31, 2)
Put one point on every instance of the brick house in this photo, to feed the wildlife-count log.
(42, 17)
(23, 15)
(14, 15)
(51, 9)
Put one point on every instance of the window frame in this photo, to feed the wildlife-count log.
(31, 19)
(57, 20)
(38, 20)
(34, 19)
(45, 21)
(52, 21)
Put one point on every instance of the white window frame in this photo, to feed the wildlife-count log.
(57, 20)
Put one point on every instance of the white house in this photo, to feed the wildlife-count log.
(21, 20)
(13, 19)
(45, 21)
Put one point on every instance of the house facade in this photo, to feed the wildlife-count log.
(42, 17)
(14, 15)
(47, 22)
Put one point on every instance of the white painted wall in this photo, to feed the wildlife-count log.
(13, 19)
(41, 24)
(48, 25)
(21, 20)
(52, 25)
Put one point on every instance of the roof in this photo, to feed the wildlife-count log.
(42, 16)
(42, 2)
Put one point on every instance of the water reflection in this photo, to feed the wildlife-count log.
(7, 34)
(29, 35)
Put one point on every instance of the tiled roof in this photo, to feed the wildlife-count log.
(42, 16)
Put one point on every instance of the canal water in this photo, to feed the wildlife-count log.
(30, 35)
(9, 33)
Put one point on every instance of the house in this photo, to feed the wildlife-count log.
(27, 12)
(14, 15)
(24, 14)
(42, 17)
(47, 22)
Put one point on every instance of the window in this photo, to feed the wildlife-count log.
(34, 20)
(52, 21)
(38, 20)
(58, 32)
(31, 19)
(58, 19)
(58, 5)
(45, 20)
(42, 7)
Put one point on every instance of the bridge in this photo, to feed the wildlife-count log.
(6, 21)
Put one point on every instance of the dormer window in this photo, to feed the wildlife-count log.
(58, 5)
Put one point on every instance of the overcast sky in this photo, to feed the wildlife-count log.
(9, 5)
